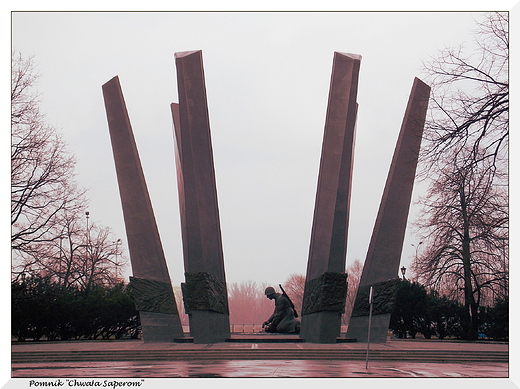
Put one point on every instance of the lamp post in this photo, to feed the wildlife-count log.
(87, 245)
(117, 242)
(87, 215)
(416, 249)
(370, 302)
(61, 256)
(403, 269)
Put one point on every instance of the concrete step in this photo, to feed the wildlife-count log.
(250, 354)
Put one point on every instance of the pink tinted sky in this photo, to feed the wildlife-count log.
(267, 79)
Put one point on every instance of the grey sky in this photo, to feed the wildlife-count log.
(267, 80)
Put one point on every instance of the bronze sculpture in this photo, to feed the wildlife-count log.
(283, 319)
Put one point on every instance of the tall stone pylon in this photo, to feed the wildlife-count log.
(384, 252)
(150, 284)
(325, 284)
(204, 292)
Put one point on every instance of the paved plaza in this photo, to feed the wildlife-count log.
(262, 369)
(259, 358)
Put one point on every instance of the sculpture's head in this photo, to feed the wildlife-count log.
(270, 292)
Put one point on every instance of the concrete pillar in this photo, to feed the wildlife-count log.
(381, 266)
(150, 283)
(204, 292)
(325, 286)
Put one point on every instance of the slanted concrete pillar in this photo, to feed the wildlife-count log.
(326, 286)
(381, 266)
(204, 292)
(150, 284)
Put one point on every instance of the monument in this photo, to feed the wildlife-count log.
(204, 292)
(384, 252)
(283, 319)
(150, 284)
(325, 283)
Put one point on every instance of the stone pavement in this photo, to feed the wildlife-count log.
(253, 358)
(261, 369)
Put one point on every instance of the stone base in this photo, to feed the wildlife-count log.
(209, 326)
(321, 327)
(358, 328)
(160, 327)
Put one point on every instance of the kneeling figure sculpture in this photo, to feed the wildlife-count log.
(283, 319)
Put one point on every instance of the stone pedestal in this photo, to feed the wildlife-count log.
(159, 327)
(384, 252)
(204, 293)
(209, 327)
(328, 246)
(358, 328)
(159, 316)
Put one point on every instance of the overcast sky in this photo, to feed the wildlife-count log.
(267, 80)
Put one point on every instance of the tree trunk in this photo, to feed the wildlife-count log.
(469, 298)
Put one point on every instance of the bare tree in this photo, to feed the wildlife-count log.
(469, 106)
(42, 170)
(247, 303)
(295, 286)
(49, 237)
(99, 262)
(354, 272)
(464, 227)
(464, 222)
(82, 256)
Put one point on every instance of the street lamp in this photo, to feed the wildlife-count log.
(117, 242)
(88, 231)
(61, 253)
(403, 270)
(416, 249)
